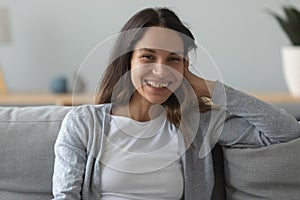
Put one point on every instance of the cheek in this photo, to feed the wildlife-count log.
(134, 74)
(179, 70)
(179, 78)
(137, 73)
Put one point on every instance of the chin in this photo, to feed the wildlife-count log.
(160, 100)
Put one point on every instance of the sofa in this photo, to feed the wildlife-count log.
(28, 134)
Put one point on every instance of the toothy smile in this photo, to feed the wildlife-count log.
(156, 84)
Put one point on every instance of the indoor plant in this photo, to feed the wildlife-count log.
(291, 54)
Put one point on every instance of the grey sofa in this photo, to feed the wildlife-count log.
(27, 136)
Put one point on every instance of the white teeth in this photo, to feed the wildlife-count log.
(157, 85)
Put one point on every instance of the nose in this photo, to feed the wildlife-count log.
(160, 70)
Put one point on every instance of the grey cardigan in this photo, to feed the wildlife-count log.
(242, 120)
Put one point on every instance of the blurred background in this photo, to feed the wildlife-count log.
(49, 39)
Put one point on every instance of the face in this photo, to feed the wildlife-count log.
(157, 65)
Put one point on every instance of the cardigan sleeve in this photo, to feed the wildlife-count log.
(249, 121)
(70, 158)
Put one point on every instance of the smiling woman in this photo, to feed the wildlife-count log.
(152, 133)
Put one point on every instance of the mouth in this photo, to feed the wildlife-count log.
(156, 84)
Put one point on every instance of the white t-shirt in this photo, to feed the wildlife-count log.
(141, 160)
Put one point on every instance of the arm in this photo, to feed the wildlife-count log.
(252, 121)
(70, 159)
(243, 119)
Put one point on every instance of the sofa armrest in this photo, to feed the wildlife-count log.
(271, 172)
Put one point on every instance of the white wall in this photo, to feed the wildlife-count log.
(52, 37)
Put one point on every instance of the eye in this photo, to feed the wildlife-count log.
(175, 58)
(147, 57)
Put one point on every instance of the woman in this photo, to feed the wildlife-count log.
(151, 134)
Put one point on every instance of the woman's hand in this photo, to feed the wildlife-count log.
(202, 87)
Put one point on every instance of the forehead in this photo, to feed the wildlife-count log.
(161, 38)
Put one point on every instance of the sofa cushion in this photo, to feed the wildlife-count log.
(271, 172)
(27, 137)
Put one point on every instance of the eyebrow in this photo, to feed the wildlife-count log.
(180, 53)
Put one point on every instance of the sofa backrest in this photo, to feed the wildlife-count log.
(27, 136)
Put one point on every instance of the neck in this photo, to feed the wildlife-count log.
(139, 109)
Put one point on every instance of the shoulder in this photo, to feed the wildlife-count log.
(86, 116)
(89, 111)
(83, 124)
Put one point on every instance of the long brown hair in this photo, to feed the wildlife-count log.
(120, 62)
